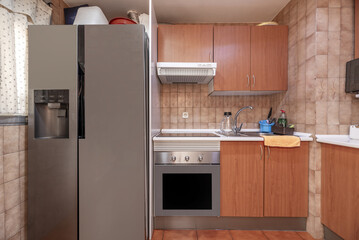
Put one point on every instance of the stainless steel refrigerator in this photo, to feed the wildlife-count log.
(88, 132)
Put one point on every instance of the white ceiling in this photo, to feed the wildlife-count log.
(114, 8)
(217, 11)
(194, 11)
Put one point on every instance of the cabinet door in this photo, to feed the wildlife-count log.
(242, 179)
(340, 190)
(185, 43)
(286, 181)
(232, 54)
(269, 58)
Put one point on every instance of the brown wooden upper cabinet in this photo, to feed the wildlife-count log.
(185, 43)
(232, 53)
(250, 58)
(58, 16)
(269, 58)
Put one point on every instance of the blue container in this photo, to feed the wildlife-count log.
(70, 13)
(265, 127)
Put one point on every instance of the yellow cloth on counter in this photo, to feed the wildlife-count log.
(281, 141)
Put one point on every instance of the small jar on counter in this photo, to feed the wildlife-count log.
(227, 123)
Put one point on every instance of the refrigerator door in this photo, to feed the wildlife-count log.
(52, 151)
(113, 154)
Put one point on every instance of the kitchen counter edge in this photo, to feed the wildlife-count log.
(339, 140)
(304, 137)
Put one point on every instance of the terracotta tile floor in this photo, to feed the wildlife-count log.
(228, 235)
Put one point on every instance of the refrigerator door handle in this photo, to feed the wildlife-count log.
(81, 102)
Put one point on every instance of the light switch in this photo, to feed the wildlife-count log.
(185, 115)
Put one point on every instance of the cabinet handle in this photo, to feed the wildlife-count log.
(210, 57)
(248, 81)
(254, 80)
(268, 153)
(261, 147)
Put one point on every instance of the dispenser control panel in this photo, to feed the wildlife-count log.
(51, 96)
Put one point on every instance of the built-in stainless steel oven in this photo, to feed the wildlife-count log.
(187, 184)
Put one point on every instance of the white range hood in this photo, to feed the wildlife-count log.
(185, 72)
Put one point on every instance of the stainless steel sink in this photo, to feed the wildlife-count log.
(246, 134)
(253, 134)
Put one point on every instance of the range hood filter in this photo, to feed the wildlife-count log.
(198, 73)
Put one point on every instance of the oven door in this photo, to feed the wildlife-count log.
(190, 190)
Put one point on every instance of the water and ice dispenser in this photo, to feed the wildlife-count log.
(51, 113)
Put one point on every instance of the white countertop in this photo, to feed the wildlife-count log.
(205, 143)
(340, 140)
(303, 136)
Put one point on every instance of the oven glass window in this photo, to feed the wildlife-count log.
(190, 191)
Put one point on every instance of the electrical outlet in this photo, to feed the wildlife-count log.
(185, 115)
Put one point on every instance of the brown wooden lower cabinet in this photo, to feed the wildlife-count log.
(340, 190)
(256, 182)
(242, 179)
(286, 181)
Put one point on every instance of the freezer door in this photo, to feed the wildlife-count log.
(52, 135)
(113, 154)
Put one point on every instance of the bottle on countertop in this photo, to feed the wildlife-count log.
(282, 121)
(227, 123)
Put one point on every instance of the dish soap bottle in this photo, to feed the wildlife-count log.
(282, 121)
(227, 123)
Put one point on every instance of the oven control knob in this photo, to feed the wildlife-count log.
(173, 158)
(186, 158)
(200, 158)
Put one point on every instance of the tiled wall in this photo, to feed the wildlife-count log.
(13, 145)
(206, 111)
(321, 41)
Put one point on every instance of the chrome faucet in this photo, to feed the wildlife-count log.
(237, 129)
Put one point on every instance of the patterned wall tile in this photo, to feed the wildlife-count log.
(13, 160)
(207, 111)
(11, 139)
(12, 222)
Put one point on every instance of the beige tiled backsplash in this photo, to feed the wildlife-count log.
(324, 106)
(206, 111)
(13, 160)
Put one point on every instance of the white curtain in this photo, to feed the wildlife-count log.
(15, 16)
